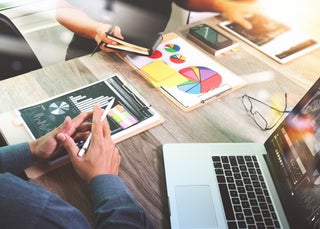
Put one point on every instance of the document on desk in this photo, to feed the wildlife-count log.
(129, 115)
(183, 73)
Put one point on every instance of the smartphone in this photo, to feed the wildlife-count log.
(207, 37)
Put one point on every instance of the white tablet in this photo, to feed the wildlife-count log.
(277, 40)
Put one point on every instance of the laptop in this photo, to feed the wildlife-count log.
(273, 38)
(250, 185)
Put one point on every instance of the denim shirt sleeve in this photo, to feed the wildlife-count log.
(114, 204)
(15, 158)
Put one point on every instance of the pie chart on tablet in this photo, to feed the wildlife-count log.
(199, 79)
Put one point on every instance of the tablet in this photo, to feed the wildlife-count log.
(276, 40)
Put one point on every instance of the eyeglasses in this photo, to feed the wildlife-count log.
(257, 116)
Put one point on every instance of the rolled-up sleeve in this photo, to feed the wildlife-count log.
(15, 158)
(114, 204)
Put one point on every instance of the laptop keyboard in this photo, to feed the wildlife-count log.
(245, 197)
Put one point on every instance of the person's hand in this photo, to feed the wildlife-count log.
(239, 11)
(101, 36)
(46, 146)
(101, 157)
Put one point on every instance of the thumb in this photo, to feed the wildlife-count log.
(68, 143)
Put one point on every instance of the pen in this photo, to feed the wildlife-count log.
(87, 142)
(98, 45)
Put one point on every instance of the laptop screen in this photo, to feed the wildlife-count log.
(294, 161)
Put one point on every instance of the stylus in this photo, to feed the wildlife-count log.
(87, 142)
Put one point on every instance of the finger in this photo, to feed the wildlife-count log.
(106, 128)
(68, 143)
(70, 125)
(65, 126)
(81, 136)
(117, 32)
(84, 127)
(81, 118)
(96, 122)
(77, 122)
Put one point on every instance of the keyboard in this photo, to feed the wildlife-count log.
(246, 199)
(263, 29)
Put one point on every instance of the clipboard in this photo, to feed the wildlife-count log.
(130, 114)
(184, 74)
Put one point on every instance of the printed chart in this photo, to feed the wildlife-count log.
(178, 59)
(86, 103)
(43, 117)
(172, 48)
(197, 77)
(200, 80)
(156, 54)
(59, 108)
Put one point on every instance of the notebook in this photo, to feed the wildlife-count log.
(142, 44)
(281, 184)
(273, 38)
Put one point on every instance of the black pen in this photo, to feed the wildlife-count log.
(101, 42)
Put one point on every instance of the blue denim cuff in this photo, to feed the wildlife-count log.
(106, 186)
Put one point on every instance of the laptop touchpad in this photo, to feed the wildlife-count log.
(195, 206)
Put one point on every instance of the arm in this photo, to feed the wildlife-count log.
(80, 23)
(76, 20)
(16, 158)
(235, 11)
(114, 205)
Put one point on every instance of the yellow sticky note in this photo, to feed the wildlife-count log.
(161, 74)
(174, 80)
(158, 71)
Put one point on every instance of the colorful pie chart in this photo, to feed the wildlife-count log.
(156, 54)
(200, 80)
(177, 59)
(172, 47)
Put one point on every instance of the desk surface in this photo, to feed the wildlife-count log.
(142, 162)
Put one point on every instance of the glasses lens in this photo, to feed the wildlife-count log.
(260, 120)
(257, 116)
(246, 103)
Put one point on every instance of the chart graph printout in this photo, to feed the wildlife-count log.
(188, 76)
(128, 110)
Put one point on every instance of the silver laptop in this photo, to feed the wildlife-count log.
(250, 185)
(275, 39)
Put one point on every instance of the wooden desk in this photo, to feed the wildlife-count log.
(142, 169)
